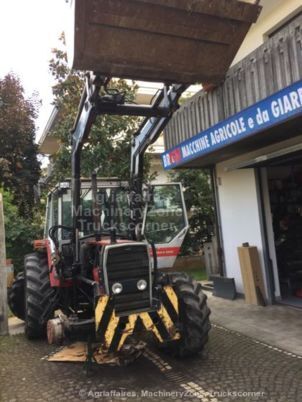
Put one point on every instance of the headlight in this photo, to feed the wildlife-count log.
(142, 284)
(117, 288)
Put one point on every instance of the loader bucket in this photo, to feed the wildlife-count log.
(183, 41)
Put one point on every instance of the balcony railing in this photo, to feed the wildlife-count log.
(273, 66)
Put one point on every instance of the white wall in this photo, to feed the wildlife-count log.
(156, 166)
(240, 220)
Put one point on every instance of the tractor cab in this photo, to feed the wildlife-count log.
(164, 221)
(111, 204)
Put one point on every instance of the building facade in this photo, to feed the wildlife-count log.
(248, 131)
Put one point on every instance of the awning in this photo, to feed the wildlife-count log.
(272, 120)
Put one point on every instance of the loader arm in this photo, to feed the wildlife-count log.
(147, 134)
(92, 104)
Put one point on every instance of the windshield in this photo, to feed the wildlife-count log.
(113, 210)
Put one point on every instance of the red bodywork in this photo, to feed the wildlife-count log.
(56, 281)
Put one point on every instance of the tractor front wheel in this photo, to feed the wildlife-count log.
(194, 322)
(38, 294)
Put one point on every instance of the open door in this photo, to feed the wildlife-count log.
(166, 222)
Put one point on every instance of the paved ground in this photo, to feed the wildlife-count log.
(254, 354)
(232, 366)
(277, 325)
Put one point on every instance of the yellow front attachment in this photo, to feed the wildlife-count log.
(114, 330)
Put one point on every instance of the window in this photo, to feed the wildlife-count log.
(165, 215)
(120, 210)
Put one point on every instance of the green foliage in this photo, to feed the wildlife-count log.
(19, 231)
(198, 273)
(19, 167)
(108, 146)
(200, 206)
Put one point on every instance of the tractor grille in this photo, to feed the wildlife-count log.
(127, 264)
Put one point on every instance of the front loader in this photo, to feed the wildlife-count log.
(99, 266)
(99, 273)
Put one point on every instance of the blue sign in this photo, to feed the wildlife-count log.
(279, 107)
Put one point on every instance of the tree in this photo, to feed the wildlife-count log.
(19, 166)
(200, 206)
(19, 231)
(108, 146)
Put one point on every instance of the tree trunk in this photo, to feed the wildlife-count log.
(3, 276)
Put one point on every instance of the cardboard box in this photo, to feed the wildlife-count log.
(251, 275)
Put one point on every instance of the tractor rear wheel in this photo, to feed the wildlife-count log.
(38, 294)
(194, 322)
(15, 296)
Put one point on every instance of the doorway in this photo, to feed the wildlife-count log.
(285, 195)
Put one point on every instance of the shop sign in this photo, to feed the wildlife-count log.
(279, 107)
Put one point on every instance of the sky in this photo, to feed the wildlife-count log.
(29, 29)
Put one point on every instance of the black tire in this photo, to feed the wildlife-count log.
(38, 294)
(15, 297)
(194, 315)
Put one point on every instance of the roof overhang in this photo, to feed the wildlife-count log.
(48, 144)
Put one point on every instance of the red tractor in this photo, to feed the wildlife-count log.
(98, 273)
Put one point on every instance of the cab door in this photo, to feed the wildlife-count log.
(166, 222)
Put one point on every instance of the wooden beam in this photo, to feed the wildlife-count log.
(3, 275)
